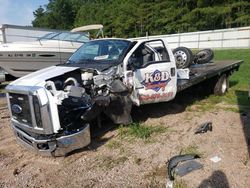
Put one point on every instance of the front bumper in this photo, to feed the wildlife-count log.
(57, 146)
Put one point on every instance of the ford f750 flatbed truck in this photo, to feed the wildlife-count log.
(51, 109)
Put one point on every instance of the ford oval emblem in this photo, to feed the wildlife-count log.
(16, 109)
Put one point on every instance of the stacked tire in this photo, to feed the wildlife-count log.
(204, 56)
(184, 57)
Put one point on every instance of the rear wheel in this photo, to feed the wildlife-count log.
(222, 85)
(183, 57)
(218, 85)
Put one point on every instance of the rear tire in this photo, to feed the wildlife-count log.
(183, 57)
(222, 85)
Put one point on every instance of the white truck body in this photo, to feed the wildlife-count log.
(51, 108)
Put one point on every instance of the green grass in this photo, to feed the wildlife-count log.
(240, 80)
(180, 184)
(114, 144)
(205, 104)
(2, 86)
(239, 85)
(191, 149)
(110, 162)
(139, 130)
(242, 77)
(210, 103)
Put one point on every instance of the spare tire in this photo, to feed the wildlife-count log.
(183, 57)
(204, 56)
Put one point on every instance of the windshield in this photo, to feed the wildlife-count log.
(100, 51)
(48, 36)
(81, 37)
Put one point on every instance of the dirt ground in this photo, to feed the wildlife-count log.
(112, 161)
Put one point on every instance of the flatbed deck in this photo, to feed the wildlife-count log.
(202, 72)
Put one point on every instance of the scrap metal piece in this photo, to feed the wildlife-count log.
(204, 128)
(173, 162)
(187, 167)
(215, 159)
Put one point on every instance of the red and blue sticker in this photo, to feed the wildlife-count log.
(156, 80)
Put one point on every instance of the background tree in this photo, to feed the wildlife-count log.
(132, 18)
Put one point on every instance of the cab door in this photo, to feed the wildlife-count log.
(153, 73)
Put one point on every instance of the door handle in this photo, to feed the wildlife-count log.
(172, 72)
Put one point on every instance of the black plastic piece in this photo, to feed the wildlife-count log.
(204, 128)
(187, 167)
(173, 162)
(118, 87)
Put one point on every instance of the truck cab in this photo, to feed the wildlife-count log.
(150, 67)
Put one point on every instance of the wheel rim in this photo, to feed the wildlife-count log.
(224, 86)
(202, 55)
(180, 58)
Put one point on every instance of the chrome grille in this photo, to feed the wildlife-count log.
(21, 102)
(34, 117)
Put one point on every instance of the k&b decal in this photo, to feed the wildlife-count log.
(156, 80)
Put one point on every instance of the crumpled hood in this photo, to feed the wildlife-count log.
(38, 78)
(94, 65)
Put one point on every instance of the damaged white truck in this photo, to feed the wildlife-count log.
(52, 109)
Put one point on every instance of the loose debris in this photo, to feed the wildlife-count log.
(187, 167)
(183, 169)
(215, 159)
(174, 161)
(204, 128)
(106, 166)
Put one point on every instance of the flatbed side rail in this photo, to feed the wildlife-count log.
(204, 73)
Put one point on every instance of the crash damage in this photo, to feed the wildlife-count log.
(52, 109)
(64, 104)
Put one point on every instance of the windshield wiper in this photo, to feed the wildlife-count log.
(81, 61)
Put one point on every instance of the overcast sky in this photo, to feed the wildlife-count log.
(18, 12)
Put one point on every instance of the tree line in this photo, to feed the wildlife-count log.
(133, 18)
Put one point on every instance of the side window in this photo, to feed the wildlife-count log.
(161, 50)
(142, 55)
(147, 53)
(83, 38)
